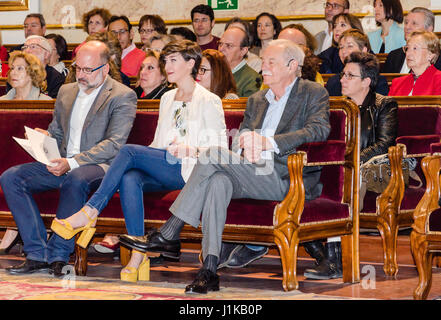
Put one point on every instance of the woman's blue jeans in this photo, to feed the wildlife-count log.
(135, 170)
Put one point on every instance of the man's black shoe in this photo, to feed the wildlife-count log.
(56, 269)
(153, 242)
(242, 256)
(205, 281)
(28, 266)
(330, 267)
(225, 254)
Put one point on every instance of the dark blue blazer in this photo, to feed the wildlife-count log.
(331, 62)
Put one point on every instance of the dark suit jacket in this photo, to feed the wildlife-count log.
(331, 62)
(304, 119)
(333, 85)
(106, 127)
(396, 58)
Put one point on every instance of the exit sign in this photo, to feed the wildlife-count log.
(224, 4)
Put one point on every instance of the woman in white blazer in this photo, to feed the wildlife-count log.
(191, 119)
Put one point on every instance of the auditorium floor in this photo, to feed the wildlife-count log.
(266, 273)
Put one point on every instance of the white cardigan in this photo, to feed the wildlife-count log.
(205, 124)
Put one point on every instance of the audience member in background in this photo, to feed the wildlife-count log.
(40, 47)
(417, 19)
(234, 44)
(152, 78)
(265, 28)
(379, 126)
(215, 75)
(58, 53)
(186, 114)
(158, 41)
(353, 40)
(183, 33)
(148, 24)
(331, 62)
(422, 50)
(202, 20)
(332, 8)
(132, 57)
(34, 25)
(27, 78)
(252, 59)
(94, 21)
(390, 36)
(4, 56)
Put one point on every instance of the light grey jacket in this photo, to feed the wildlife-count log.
(106, 127)
(34, 94)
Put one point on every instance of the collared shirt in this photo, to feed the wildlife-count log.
(273, 116)
(327, 41)
(80, 109)
(127, 50)
(239, 66)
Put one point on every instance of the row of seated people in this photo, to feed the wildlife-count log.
(359, 79)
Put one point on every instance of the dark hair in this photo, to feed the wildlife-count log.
(123, 18)
(392, 10)
(60, 44)
(346, 4)
(369, 66)
(103, 13)
(311, 42)
(349, 18)
(246, 26)
(157, 22)
(276, 25)
(203, 9)
(185, 32)
(222, 80)
(188, 50)
(311, 65)
(39, 16)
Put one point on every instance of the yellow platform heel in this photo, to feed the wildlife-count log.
(66, 231)
(141, 274)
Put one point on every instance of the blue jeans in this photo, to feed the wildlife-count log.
(19, 183)
(137, 169)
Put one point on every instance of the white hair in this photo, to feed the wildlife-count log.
(43, 42)
(290, 51)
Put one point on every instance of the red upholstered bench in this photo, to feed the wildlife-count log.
(285, 224)
(419, 133)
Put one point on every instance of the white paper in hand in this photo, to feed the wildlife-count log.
(40, 146)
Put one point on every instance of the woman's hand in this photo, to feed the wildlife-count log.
(181, 150)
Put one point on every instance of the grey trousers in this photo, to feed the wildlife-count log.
(219, 176)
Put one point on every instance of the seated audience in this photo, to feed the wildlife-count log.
(182, 33)
(33, 25)
(417, 19)
(353, 40)
(422, 50)
(331, 62)
(215, 75)
(202, 20)
(58, 53)
(379, 126)
(158, 41)
(265, 28)
(148, 24)
(94, 21)
(152, 78)
(40, 47)
(132, 57)
(168, 162)
(390, 36)
(27, 78)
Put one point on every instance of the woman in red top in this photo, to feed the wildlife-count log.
(422, 50)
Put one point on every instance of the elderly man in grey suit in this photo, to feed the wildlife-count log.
(92, 119)
(277, 120)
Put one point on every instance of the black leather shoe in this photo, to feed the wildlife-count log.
(330, 267)
(28, 266)
(205, 281)
(242, 256)
(56, 269)
(316, 250)
(153, 242)
(225, 254)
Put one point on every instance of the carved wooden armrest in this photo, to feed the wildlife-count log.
(431, 166)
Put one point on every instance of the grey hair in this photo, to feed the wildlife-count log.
(429, 17)
(291, 51)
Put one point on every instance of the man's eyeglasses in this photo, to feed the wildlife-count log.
(32, 25)
(202, 71)
(118, 32)
(142, 31)
(349, 75)
(333, 6)
(227, 45)
(33, 46)
(86, 70)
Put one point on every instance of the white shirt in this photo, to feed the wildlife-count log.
(80, 109)
(405, 68)
(327, 42)
(239, 66)
(127, 50)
